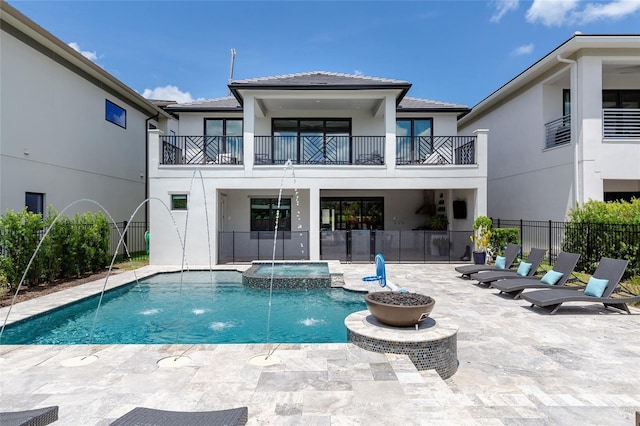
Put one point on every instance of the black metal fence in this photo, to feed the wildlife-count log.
(435, 150)
(209, 150)
(327, 149)
(347, 246)
(134, 239)
(591, 240)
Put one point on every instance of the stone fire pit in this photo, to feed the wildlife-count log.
(399, 309)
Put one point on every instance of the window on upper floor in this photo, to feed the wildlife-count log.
(414, 140)
(223, 140)
(624, 99)
(115, 114)
(34, 202)
(311, 141)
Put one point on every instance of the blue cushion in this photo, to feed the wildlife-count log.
(501, 262)
(523, 269)
(595, 287)
(551, 277)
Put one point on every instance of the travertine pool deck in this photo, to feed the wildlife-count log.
(517, 365)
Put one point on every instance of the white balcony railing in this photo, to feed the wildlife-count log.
(620, 123)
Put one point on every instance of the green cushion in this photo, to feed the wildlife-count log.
(595, 287)
(501, 262)
(551, 277)
(523, 269)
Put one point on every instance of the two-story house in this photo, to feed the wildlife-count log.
(343, 166)
(565, 130)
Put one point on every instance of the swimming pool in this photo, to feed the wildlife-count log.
(210, 308)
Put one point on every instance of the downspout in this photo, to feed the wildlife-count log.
(574, 125)
(146, 165)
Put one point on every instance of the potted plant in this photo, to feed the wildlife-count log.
(443, 245)
(438, 223)
(480, 239)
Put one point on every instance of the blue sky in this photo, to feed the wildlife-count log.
(452, 51)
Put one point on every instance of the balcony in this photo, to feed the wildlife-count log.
(322, 150)
(558, 132)
(619, 123)
(435, 150)
(318, 150)
(200, 150)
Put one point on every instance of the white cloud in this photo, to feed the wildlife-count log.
(168, 93)
(561, 12)
(525, 49)
(502, 8)
(614, 10)
(92, 56)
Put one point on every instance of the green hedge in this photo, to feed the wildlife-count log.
(500, 237)
(610, 229)
(74, 245)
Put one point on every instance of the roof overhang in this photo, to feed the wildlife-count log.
(24, 29)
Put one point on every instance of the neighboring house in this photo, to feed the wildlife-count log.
(358, 167)
(565, 130)
(68, 129)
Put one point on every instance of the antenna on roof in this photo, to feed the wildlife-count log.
(233, 57)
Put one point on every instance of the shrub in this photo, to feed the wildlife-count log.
(72, 247)
(500, 237)
(610, 229)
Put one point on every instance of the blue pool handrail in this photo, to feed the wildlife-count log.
(381, 275)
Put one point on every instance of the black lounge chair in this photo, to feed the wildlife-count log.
(608, 269)
(140, 416)
(37, 417)
(510, 255)
(487, 277)
(565, 263)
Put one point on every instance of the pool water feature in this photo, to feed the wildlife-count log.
(156, 311)
(287, 275)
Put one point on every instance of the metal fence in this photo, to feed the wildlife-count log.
(591, 240)
(133, 239)
(237, 246)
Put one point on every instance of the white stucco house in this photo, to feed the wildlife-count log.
(565, 130)
(348, 165)
(68, 129)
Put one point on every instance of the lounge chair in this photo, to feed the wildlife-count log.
(37, 417)
(534, 259)
(608, 269)
(510, 255)
(565, 263)
(149, 417)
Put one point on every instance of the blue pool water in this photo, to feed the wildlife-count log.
(293, 269)
(209, 308)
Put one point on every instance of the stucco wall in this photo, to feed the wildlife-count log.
(54, 138)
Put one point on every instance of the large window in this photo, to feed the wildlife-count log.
(342, 213)
(115, 114)
(264, 212)
(414, 139)
(311, 141)
(34, 202)
(223, 139)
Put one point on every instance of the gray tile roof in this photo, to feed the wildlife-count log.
(323, 78)
(409, 103)
(227, 103)
(316, 80)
